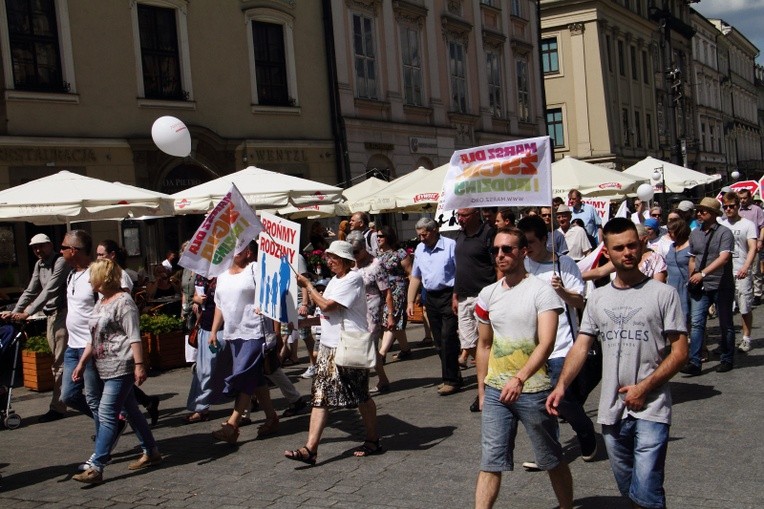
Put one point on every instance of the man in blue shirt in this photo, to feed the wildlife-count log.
(435, 269)
(586, 213)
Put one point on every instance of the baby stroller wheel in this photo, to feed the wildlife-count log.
(13, 421)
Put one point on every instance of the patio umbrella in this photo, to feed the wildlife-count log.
(677, 178)
(263, 189)
(591, 179)
(384, 198)
(422, 192)
(67, 197)
(352, 193)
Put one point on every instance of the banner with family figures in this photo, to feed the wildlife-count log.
(512, 173)
(225, 231)
(277, 258)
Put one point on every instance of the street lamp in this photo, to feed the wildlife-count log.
(660, 176)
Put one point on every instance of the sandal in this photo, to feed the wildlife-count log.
(268, 428)
(365, 450)
(308, 456)
(197, 417)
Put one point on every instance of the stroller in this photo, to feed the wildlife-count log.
(10, 343)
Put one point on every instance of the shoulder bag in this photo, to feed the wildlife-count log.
(695, 290)
(355, 349)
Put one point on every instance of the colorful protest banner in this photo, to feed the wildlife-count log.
(277, 263)
(512, 173)
(224, 232)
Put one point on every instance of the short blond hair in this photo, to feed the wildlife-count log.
(105, 275)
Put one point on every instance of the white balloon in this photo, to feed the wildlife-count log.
(735, 175)
(171, 136)
(645, 192)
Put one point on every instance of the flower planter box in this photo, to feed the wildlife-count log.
(165, 350)
(37, 370)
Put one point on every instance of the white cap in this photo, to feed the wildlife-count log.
(40, 238)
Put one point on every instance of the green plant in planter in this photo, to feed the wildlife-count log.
(38, 344)
(159, 324)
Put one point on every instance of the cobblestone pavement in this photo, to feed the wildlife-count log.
(431, 451)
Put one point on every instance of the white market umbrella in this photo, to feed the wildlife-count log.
(67, 197)
(591, 179)
(422, 192)
(678, 178)
(384, 198)
(262, 189)
(352, 193)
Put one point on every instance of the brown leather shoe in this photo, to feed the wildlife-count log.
(146, 461)
(447, 390)
(89, 476)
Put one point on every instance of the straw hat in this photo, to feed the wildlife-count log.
(710, 204)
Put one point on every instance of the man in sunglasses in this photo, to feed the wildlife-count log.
(75, 250)
(46, 292)
(518, 318)
(711, 248)
(743, 260)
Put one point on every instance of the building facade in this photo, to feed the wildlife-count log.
(709, 113)
(418, 79)
(742, 134)
(84, 81)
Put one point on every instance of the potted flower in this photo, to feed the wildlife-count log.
(37, 364)
(163, 341)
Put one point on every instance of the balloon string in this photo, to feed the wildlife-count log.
(203, 165)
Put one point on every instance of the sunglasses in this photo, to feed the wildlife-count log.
(655, 215)
(731, 206)
(65, 248)
(546, 215)
(504, 249)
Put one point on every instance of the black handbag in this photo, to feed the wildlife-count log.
(696, 289)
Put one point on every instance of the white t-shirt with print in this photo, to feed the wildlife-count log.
(743, 229)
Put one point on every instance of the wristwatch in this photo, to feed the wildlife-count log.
(702, 274)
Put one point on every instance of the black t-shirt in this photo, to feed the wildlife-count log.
(474, 263)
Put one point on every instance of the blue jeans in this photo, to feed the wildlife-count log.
(699, 305)
(499, 429)
(118, 393)
(72, 392)
(637, 451)
(570, 409)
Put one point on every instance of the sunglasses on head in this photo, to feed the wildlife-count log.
(504, 249)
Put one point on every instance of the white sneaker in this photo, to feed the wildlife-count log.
(310, 372)
(531, 466)
(745, 345)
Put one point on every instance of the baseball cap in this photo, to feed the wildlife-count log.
(40, 238)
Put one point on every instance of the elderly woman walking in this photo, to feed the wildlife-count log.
(118, 353)
(343, 306)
